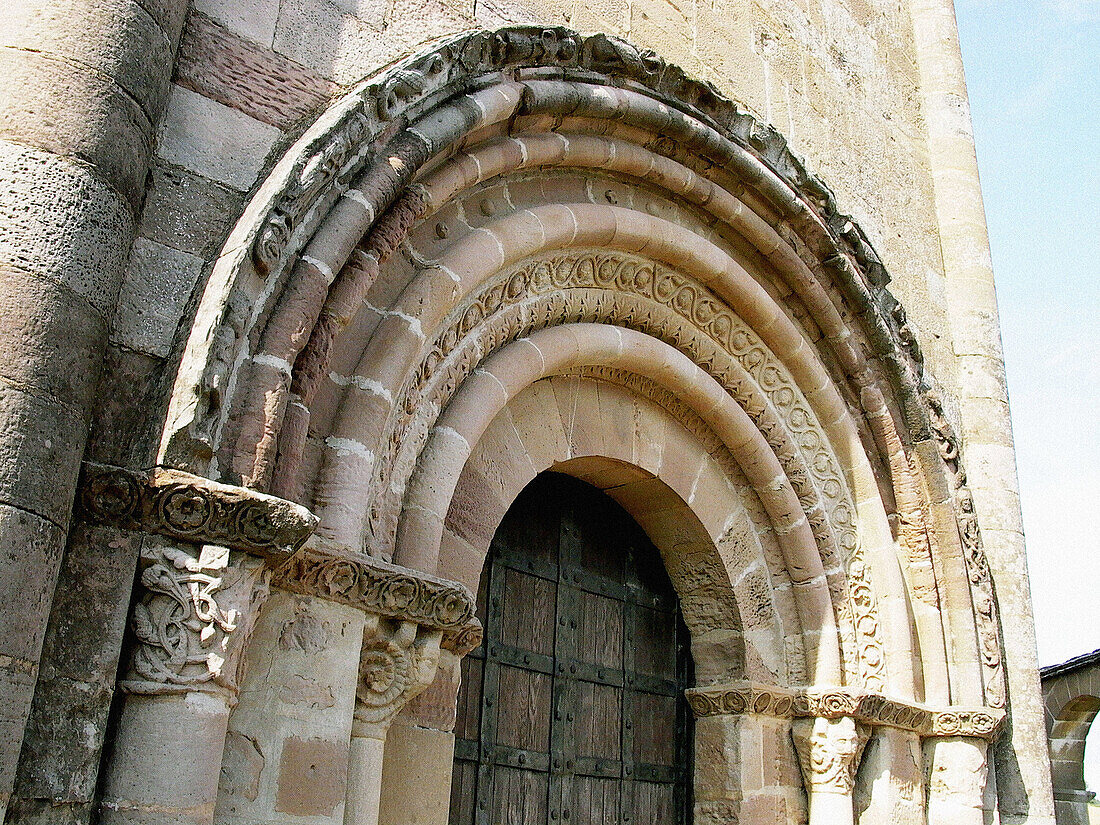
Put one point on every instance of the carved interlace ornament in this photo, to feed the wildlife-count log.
(194, 617)
(829, 751)
(868, 708)
(397, 662)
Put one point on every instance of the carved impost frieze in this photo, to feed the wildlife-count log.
(829, 750)
(834, 703)
(194, 509)
(195, 612)
(381, 589)
(398, 661)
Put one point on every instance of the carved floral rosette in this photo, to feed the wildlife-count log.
(194, 509)
(869, 708)
(382, 589)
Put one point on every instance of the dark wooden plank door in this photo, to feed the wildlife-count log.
(572, 710)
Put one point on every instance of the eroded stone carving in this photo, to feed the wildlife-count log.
(397, 662)
(195, 614)
(977, 566)
(325, 166)
(462, 640)
(377, 587)
(868, 708)
(195, 509)
(829, 750)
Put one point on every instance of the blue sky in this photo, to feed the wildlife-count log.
(1033, 75)
(1034, 83)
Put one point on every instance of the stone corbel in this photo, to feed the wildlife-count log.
(829, 752)
(398, 661)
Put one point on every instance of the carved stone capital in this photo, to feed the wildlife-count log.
(378, 588)
(829, 751)
(194, 509)
(397, 662)
(195, 613)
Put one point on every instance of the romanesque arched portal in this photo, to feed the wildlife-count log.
(531, 250)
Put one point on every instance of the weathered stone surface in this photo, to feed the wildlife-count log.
(81, 652)
(60, 106)
(218, 64)
(120, 38)
(40, 442)
(59, 220)
(213, 140)
(194, 509)
(186, 211)
(130, 390)
(51, 340)
(156, 288)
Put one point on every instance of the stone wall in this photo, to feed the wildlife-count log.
(858, 88)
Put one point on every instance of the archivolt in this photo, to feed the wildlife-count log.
(776, 328)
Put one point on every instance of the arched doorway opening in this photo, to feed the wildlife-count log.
(573, 709)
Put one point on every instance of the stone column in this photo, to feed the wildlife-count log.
(84, 87)
(956, 777)
(1023, 774)
(829, 752)
(891, 786)
(196, 611)
(397, 662)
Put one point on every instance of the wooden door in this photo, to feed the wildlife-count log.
(572, 710)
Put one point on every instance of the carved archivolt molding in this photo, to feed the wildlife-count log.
(382, 589)
(563, 288)
(325, 166)
(868, 708)
(382, 135)
(183, 506)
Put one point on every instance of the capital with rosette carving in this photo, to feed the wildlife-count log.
(398, 661)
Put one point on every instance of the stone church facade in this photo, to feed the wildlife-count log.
(434, 412)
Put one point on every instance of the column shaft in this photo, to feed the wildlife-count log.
(84, 86)
(956, 778)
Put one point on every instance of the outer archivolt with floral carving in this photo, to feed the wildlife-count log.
(817, 354)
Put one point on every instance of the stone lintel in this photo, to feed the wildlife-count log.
(833, 703)
(168, 502)
(388, 590)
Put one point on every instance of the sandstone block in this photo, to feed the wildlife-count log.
(51, 339)
(61, 221)
(41, 442)
(186, 211)
(63, 107)
(155, 290)
(214, 140)
(119, 38)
